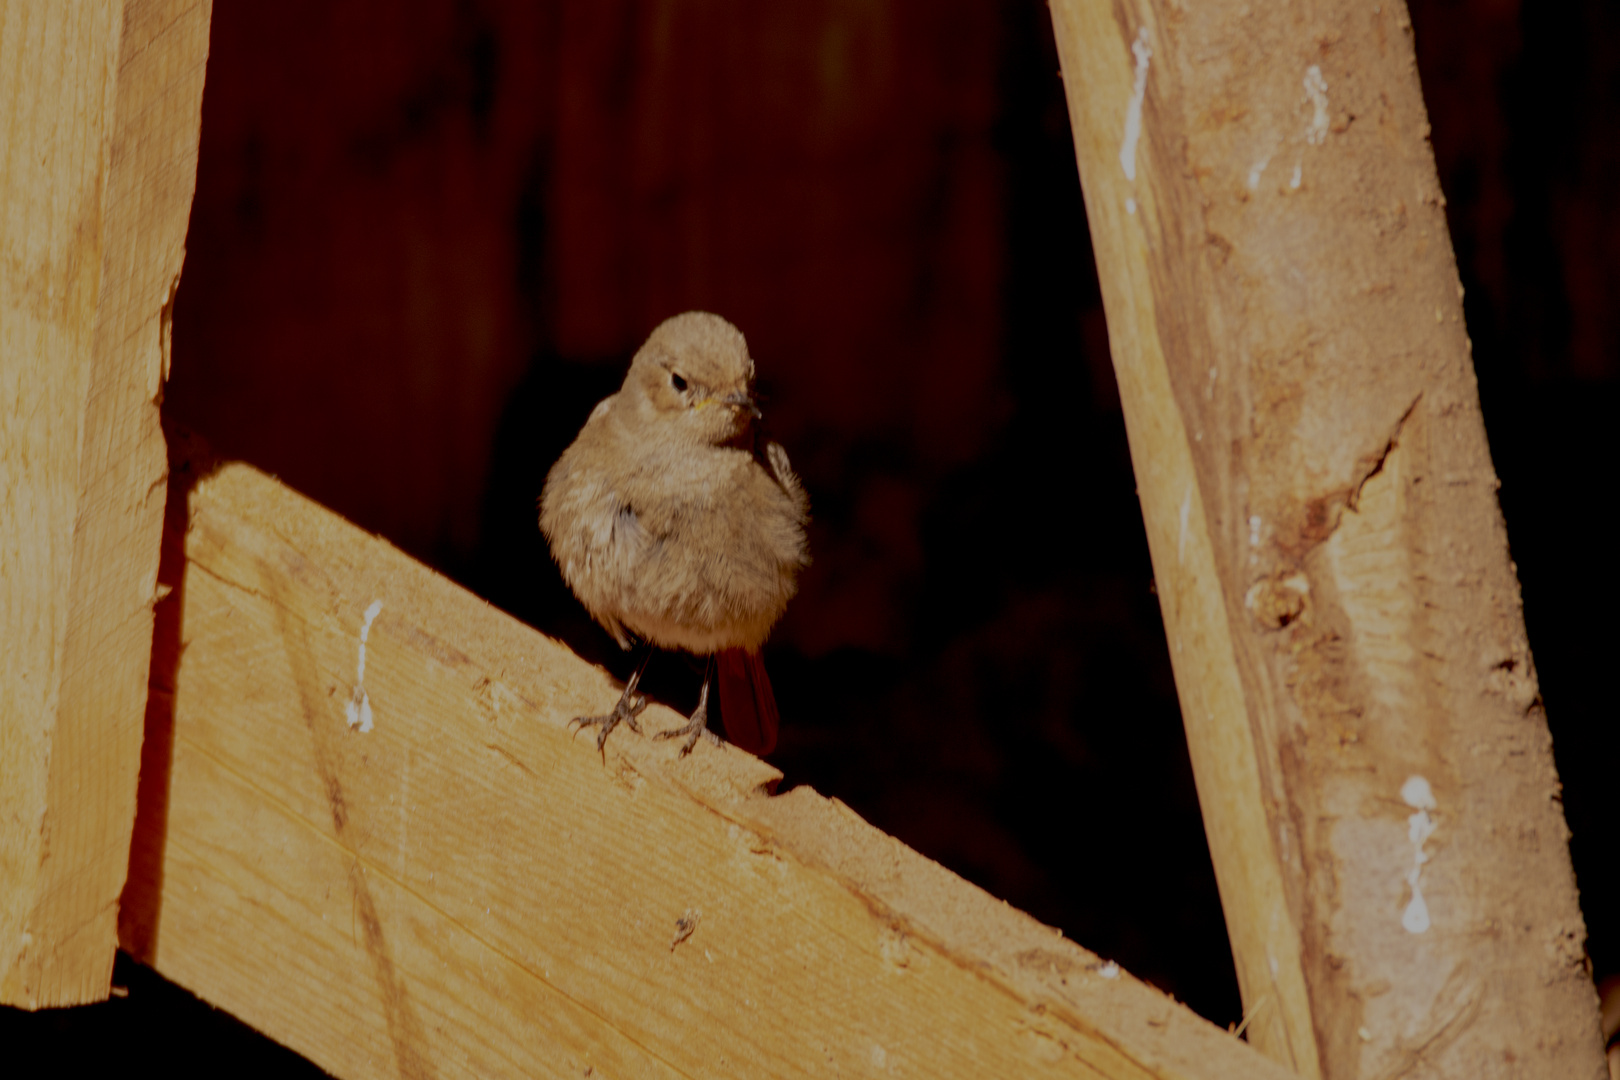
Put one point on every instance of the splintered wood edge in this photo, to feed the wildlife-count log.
(1120, 1026)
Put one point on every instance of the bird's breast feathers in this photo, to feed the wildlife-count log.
(700, 552)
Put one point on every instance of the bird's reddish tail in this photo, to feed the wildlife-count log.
(747, 705)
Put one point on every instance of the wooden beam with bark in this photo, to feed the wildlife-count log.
(100, 104)
(366, 829)
(1367, 736)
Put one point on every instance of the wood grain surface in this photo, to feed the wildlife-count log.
(1362, 711)
(466, 889)
(99, 112)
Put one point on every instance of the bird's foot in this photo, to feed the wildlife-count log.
(694, 728)
(625, 712)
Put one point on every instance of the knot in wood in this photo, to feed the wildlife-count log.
(1277, 601)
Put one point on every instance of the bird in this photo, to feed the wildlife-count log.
(674, 520)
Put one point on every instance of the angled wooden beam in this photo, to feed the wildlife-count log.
(99, 111)
(1371, 753)
(367, 831)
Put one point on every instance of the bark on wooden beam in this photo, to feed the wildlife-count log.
(1286, 323)
(467, 889)
(99, 111)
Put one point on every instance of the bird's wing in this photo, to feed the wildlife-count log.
(596, 536)
(776, 460)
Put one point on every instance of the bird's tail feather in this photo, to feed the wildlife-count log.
(747, 706)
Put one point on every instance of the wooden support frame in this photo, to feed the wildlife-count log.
(1366, 732)
(100, 104)
(468, 889)
(414, 869)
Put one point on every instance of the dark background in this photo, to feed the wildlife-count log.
(428, 236)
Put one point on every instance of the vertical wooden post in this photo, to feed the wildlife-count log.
(1286, 323)
(99, 112)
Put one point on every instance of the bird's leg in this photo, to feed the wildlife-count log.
(698, 725)
(629, 707)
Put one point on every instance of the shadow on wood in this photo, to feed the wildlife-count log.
(139, 906)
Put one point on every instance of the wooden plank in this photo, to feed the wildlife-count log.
(467, 889)
(99, 112)
(1371, 755)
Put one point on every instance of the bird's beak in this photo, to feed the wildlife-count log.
(738, 399)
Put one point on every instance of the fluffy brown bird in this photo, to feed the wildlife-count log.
(674, 522)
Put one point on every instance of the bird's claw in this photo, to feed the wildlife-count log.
(625, 712)
(693, 729)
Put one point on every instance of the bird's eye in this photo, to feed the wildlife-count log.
(677, 382)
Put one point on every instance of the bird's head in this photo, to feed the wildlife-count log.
(693, 379)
